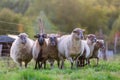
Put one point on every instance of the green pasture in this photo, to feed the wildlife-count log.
(106, 70)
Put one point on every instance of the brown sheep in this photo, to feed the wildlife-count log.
(98, 45)
(52, 50)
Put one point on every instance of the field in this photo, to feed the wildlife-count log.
(106, 70)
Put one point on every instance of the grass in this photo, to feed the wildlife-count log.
(106, 70)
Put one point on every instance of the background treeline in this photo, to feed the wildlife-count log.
(96, 16)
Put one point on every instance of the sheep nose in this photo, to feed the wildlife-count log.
(53, 44)
(103, 47)
(82, 37)
(24, 41)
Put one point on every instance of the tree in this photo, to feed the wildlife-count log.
(48, 25)
(9, 21)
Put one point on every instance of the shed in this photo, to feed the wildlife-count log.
(5, 45)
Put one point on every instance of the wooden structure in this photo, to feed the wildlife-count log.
(5, 45)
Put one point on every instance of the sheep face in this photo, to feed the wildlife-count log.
(92, 38)
(23, 37)
(78, 33)
(100, 44)
(41, 38)
(53, 40)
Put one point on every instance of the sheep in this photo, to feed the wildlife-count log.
(39, 49)
(88, 49)
(52, 50)
(86, 53)
(21, 49)
(98, 45)
(69, 46)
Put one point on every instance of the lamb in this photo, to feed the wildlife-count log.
(21, 49)
(98, 45)
(39, 49)
(70, 47)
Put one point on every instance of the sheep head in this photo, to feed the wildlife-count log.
(53, 39)
(92, 38)
(41, 38)
(77, 33)
(100, 44)
(23, 37)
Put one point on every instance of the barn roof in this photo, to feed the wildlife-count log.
(5, 38)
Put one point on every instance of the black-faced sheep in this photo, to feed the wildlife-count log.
(39, 49)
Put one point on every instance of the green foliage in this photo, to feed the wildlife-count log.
(49, 27)
(116, 26)
(18, 6)
(9, 21)
(90, 14)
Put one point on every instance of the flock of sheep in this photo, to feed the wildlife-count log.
(51, 47)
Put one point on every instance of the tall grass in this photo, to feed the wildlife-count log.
(106, 70)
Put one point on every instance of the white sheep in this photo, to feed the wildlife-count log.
(88, 44)
(85, 54)
(69, 46)
(21, 49)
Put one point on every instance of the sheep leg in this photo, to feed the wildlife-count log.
(40, 64)
(26, 64)
(82, 62)
(58, 63)
(44, 64)
(77, 62)
(51, 64)
(71, 65)
(62, 61)
(97, 60)
(71, 61)
(87, 61)
(69, 58)
(36, 65)
(62, 64)
(20, 65)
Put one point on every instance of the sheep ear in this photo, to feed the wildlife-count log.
(26, 35)
(58, 35)
(36, 36)
(83, 30)
(19, 35)
(88, 36)
(48, 35)
(45, 35)
(74, 31)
